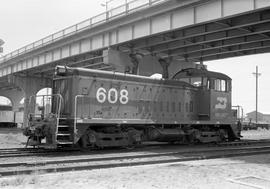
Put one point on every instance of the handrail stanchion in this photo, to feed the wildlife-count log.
(75, 112)
(58, 113)
(75, 115)
(59, 102)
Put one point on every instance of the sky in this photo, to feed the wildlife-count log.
(25, 21)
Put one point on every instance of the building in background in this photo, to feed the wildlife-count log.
(262, 118)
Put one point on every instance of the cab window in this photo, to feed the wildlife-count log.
(195, 81)
(221, 85)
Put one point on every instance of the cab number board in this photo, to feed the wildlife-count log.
(112, 95)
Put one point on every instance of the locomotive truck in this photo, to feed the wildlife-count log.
(94, 108)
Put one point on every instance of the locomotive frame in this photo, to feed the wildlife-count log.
(93, 108)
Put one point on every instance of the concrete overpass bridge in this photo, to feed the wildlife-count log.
(142, 37)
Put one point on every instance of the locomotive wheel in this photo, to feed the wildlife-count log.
(84, 142)
(224, 136)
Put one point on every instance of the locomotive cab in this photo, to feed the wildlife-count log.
(214, 93)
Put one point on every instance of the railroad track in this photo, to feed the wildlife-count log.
(22, 152)
(25, 152)
(244, 142)
(122, 160)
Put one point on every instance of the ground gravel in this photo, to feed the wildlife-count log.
(219, 173)
(232, 173)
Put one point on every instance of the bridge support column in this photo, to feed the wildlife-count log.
(165, 65)
(15, 96)
(133, 63)
(30, 86)
(120, 61)
(136, 63)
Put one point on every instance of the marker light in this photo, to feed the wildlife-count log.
(60, 70)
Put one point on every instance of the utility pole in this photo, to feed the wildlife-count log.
(257, 74)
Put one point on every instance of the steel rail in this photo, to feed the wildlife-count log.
(97, 159)
(126, 161)
(208, 147)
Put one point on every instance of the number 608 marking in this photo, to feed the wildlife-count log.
(112, 95)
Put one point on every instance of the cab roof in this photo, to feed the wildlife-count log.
(194, 72)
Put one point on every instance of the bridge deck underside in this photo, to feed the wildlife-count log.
(93, 60)
(6, 85)
(244, 34)
(240, 35)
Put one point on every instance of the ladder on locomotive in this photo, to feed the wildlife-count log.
(64, 133)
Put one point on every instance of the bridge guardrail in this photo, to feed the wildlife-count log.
(122, 10)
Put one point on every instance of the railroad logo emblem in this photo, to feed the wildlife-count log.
(222, 103)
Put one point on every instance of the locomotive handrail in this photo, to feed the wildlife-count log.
(75, 111)
(59, 106)
(57, 112)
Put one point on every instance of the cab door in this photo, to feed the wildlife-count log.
(204, 94)
(220, 100)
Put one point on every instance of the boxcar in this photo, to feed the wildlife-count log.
(6, 116)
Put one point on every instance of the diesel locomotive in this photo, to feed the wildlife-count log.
(94, 108)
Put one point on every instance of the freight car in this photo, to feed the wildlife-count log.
(8, 118)
(248, 125)
(93, 108)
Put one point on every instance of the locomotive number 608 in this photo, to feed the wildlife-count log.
(112, 95)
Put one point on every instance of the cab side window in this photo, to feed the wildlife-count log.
(196, 81)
